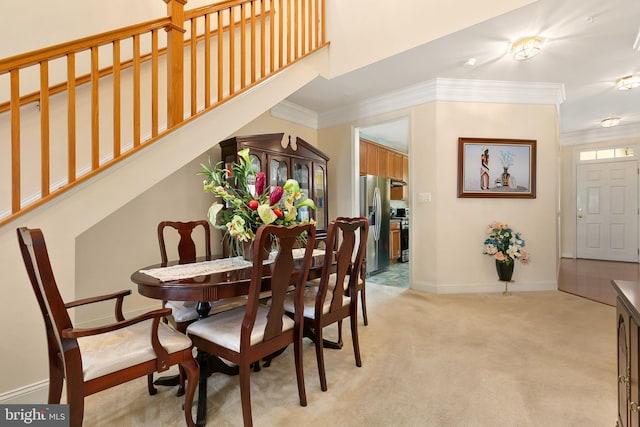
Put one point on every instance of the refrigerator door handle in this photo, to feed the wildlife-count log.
(377, 203)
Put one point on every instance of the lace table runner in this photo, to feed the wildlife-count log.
(185, 271)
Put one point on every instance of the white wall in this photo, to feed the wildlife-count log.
(460, 223)
(449, 232)
(355, 26)
(37, 24)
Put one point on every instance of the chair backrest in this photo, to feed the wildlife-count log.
(347, 241)
(186, 246)
(36, 261)
(286, 239)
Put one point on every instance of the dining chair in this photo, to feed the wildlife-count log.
(334, 298)
(97, 358)
(244, 335)
(184, 313)
(362, 274)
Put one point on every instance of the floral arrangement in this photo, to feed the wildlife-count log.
(504, 244)
(248, 202)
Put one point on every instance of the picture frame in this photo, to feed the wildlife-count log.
(498, 168)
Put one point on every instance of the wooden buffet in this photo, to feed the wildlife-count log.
(628, 328)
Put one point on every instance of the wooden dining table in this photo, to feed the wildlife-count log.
(209, 284)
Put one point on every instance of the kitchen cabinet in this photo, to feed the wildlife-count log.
(383, 162)
(372, 160)
(305, 163)
(394, 240)
(379, 160)
(396, 169)
(376, 159)
(363, 157)
(628, 332)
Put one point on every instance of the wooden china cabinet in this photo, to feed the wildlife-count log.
(305, 163)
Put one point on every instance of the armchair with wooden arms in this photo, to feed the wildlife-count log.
(95, 359)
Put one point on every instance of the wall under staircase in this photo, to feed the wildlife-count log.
(65, 219)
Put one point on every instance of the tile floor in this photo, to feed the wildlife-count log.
(397, 275)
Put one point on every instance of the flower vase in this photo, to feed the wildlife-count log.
(505, 273)
(233, 248)
(505, 177)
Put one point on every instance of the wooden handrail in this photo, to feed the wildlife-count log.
(62, 49)
(266, 46)
(106, 71)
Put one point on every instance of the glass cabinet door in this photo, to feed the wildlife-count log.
(256, 165)
(278, 172)
(319, 197)
(301, 174)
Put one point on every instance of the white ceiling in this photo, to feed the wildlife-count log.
(587, 46)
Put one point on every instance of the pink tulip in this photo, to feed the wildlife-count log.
(260, 181)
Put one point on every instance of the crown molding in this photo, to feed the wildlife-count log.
(600, 134)
(458, 90)
(295, 113)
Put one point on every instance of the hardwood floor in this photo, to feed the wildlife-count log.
(592, 278)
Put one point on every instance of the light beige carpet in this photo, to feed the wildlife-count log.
(530, 359)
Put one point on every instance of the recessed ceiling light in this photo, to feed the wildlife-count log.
(609, 122)
(628, 82)
(526, 48)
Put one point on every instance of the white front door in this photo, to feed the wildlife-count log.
(607, 211)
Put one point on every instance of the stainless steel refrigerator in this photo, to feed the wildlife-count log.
(375, 194)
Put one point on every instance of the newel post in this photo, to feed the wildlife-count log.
(175, 62)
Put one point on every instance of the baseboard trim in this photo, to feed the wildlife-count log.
(451, 288)
(33, 393)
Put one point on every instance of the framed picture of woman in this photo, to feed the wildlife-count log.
(497, 168)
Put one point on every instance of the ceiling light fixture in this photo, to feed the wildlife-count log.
(628, 82)
(526, 48)
(609, 122)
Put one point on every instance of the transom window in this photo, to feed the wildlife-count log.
(606, 153)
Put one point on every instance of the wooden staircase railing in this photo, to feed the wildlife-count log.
(70, 111)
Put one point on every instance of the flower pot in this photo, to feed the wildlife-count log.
(505, 270)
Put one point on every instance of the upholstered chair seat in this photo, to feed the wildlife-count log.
(224, 329)
(112, 351)
(309, 300)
